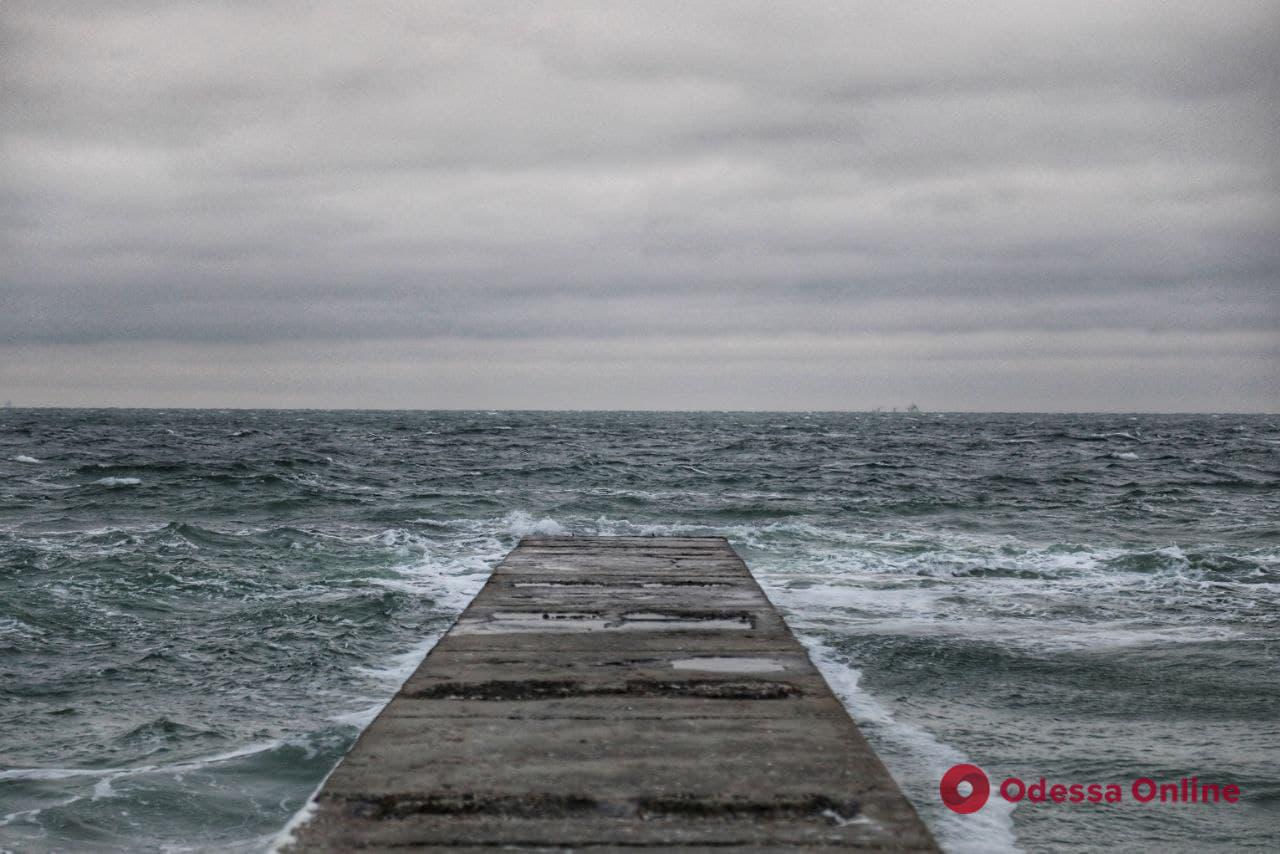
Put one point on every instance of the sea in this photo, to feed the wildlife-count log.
(200, 609)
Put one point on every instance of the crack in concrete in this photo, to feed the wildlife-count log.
(551, 806)
(543, 689)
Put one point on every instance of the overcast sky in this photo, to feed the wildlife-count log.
(696, 205)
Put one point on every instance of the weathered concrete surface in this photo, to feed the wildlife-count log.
(615, 693)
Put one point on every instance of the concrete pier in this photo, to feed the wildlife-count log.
(607, 693)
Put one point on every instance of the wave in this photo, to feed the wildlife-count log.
(30, 774)
(145, 467)
(522, 524)
(112, 482)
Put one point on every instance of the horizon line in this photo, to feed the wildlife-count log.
(487, 409)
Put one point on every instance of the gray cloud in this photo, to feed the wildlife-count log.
(556, 180)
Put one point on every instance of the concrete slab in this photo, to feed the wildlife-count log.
(615, 693)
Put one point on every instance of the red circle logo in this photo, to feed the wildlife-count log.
(975, 798)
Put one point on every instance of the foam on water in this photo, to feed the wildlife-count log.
(521, 524)
(288, 834)
(106, 776)
(176, 767)
(118, 481)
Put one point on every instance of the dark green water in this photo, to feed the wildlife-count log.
(198, 609)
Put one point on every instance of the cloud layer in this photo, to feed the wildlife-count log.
(995, 206)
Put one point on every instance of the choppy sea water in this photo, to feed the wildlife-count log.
(200, 609)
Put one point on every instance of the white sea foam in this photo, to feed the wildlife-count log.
(286, 836)
(118, 481)
(1124, 455)
(404, 542)
(522, 524)
(1008, 612)
(360, 718)
(133, 771)
(28, 815)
